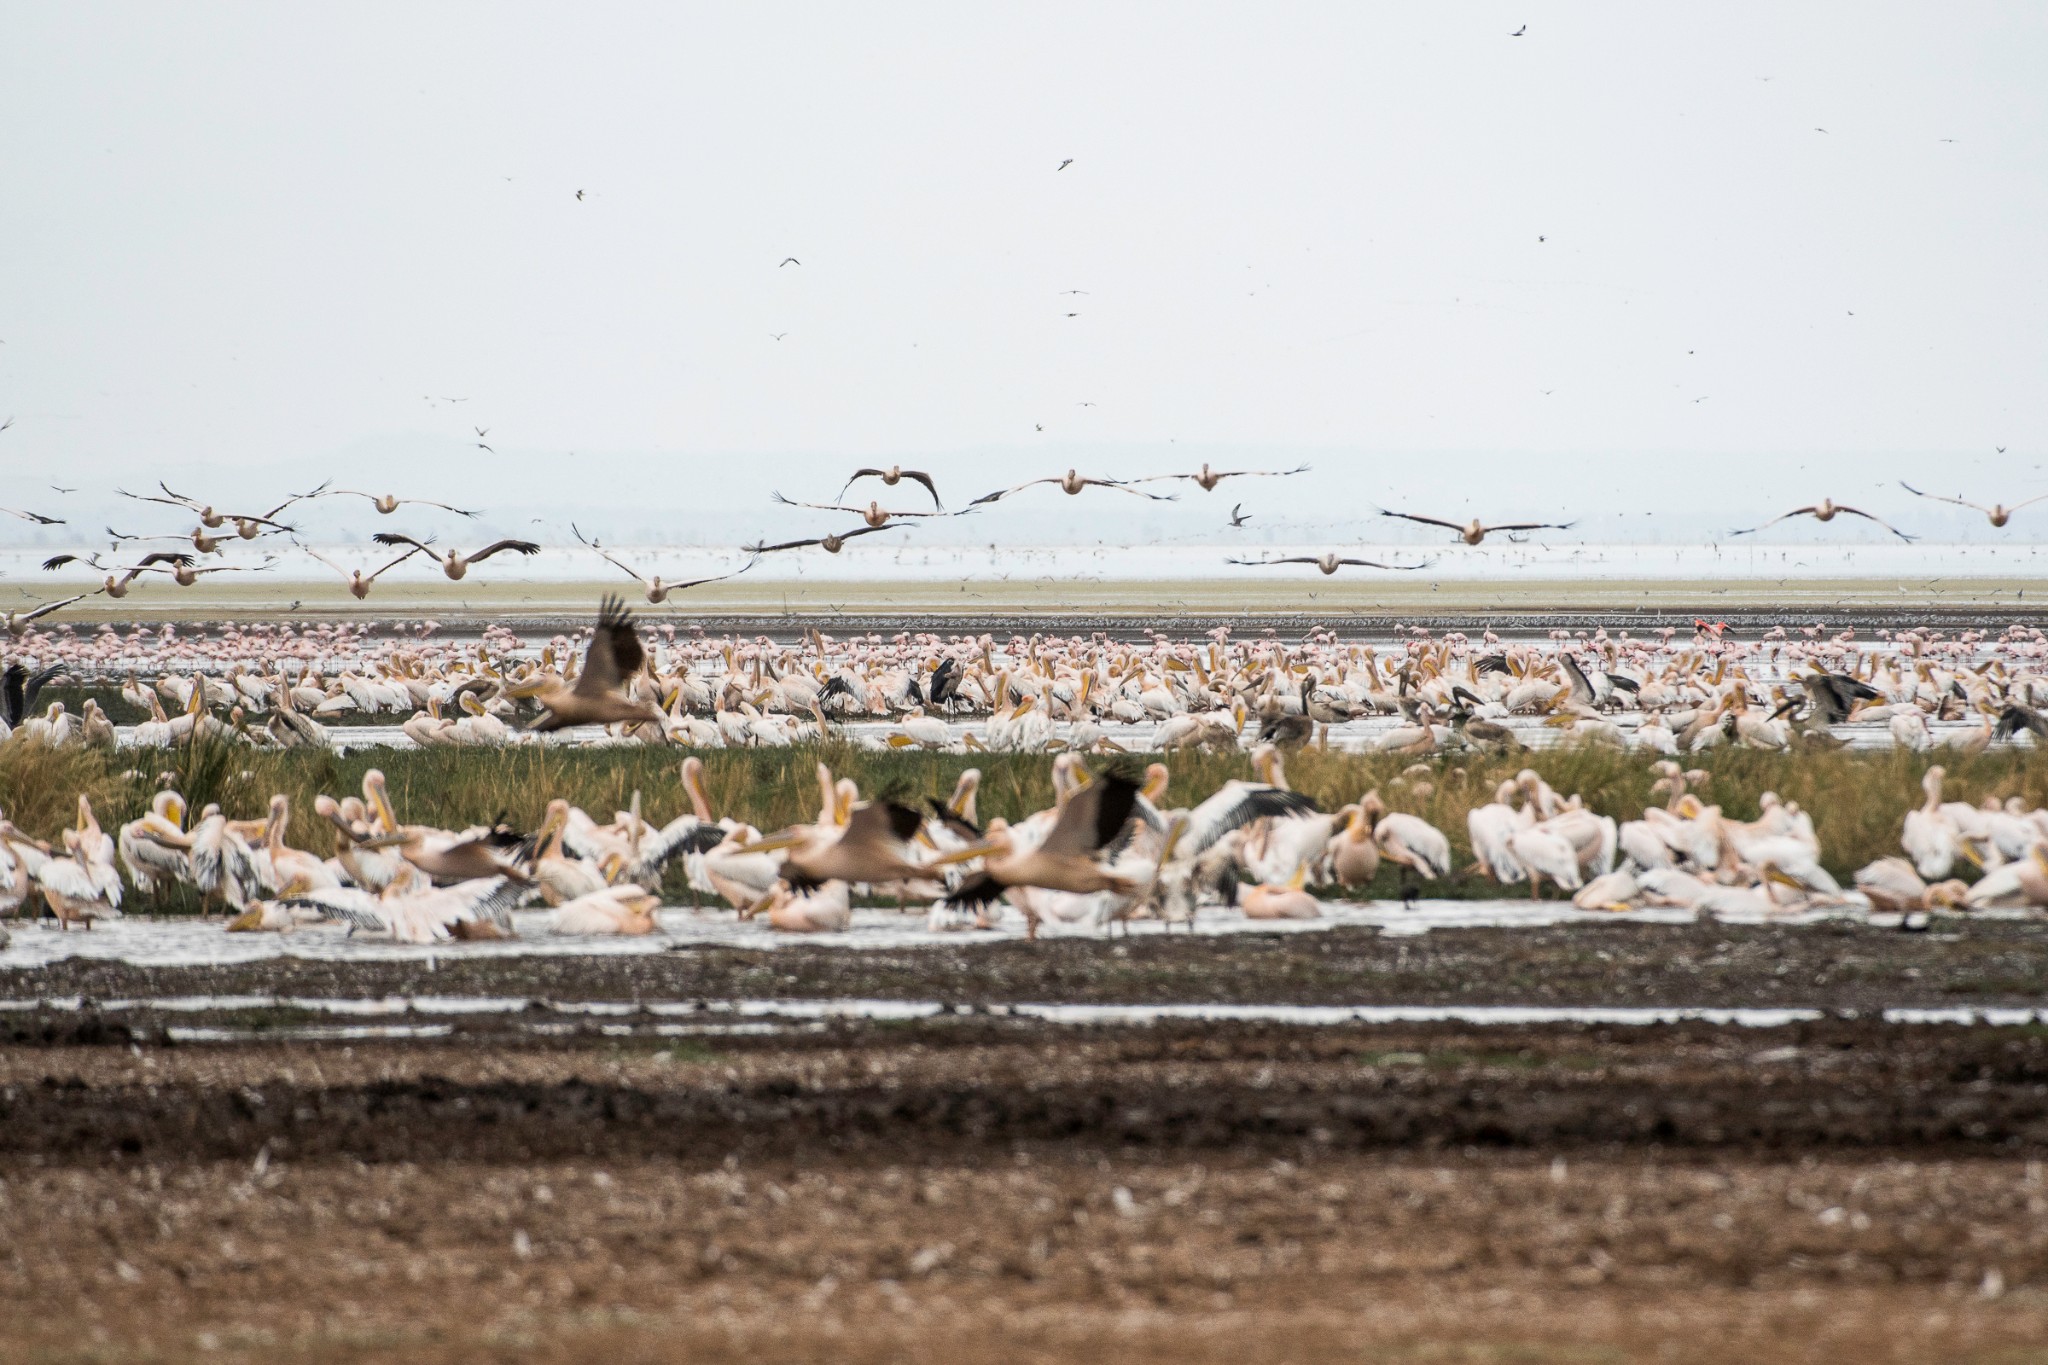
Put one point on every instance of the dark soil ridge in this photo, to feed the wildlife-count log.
(1832, 967)
(921, 1093)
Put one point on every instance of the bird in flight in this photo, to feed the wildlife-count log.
(788, 260)
(1473, 531)
(1073, 483)
(390, 502)
(18, 622)
(657, 587)
(6, 424)
(778, 335)
(1519, 32)
(597, 698)
(579, 195)
(59, 488)
(1208, 478)
(830, 544)
(453, 564)
(1064, 164)
(358, 581)
(1329, 563)
(1827, 509)
(894, 475)
(1238, 516)
(1999, 513)
(874, 514)
(1073, 291)
(37, 517)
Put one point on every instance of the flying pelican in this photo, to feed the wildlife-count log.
(831, 544)
(657, 587)
(1208, 478)
(1999, 513)
(390, 502)
(1827, 509)
(867, 848)
(1329, 563)
(615, 654)
(1065, 860)
(1474, 531)
(118, 586)
(1073, 483)
(894, 475)
(37, 517)
(247, 526)
(874, 514)
(358, 581)
(453, 564)
(18, 622)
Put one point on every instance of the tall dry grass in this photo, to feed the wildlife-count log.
(1857, 800)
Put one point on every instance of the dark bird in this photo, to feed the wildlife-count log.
(59, 489)
(788, 260)
(481, 432)
(1328, 563)
(1064, 164)
(1073, 483)
(894, 475)
(579, 195)
(1834, 695)
(1519, 32)
(830, 544)
(6, 424)
(1238, 516)
(453, 564)
(18, 692)
(481, 446)
(1473, 531)
(2013, 719)
(1827, 509)
(778, 335)
(597, 698)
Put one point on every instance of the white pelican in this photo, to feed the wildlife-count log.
(390, 502)
(614, 910)
(657, 587)
(1072, 483)
(1417, 847)
(18, 622)
(1827, 509)
(155, 845)
(615, 655)
(454, 564)
(358, 581)
(831, 544)
(1999, 513)
(874, 514)
(247, 525)
(894, 475)
(1328, 562)
(1474, 531)
(1208, 478)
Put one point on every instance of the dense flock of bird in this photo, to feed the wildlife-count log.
(1112, 848)
(129, 559)
(1421, 693)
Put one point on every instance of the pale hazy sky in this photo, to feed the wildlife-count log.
(1609, 267)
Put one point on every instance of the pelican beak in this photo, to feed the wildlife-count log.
(248, 922)
(773, 842)
(964, 855)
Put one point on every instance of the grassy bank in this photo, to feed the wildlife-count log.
(1857, 800)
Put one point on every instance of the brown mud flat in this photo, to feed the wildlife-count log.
(1830, 966)
(1828, 1191)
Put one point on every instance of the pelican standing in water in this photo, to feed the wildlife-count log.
(1827, 509)
(1329, 563)
(657, 587)
(1999, 513)
(1072, 483)
(1474, 531)
(894, 475)
(454, 564)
